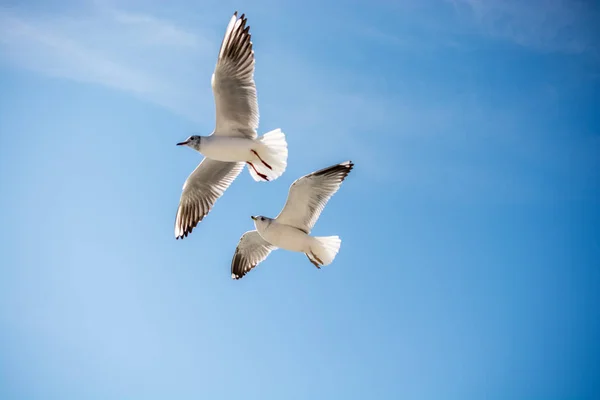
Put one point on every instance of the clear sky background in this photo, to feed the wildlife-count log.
(470, 261)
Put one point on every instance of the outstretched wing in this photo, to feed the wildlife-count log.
(233, 82)
(308, 195)
(201, 190)
(251, 251)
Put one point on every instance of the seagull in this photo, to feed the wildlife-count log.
(290, 230)
(234, 142)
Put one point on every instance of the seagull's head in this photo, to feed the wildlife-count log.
(261, 222)
(193, 142)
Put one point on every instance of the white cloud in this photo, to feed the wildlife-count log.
(153, 30)
(169, 64)
(136, 53)
(161, 62)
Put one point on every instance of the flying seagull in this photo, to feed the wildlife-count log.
(234, 141)
(290, 230)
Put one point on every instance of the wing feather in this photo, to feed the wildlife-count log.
(309, 194)
(251, 251)
(233, 82)
(201, 190)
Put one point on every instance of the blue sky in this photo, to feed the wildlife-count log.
(470, 224)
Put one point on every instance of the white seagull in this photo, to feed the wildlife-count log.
(290, 230)
(234, 141)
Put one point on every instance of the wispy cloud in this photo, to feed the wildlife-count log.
(546, 25)
(396, 128)
(148, 57)
(154, 31)
(164, 63)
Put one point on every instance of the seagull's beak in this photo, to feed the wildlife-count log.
(253, 218)
(183, 143)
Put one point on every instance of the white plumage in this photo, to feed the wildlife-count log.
(251, 250)
(290, 230)
(234, 141)
(233, 84)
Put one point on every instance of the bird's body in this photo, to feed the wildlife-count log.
(284, 236)
(227, 148)
(234, 149)
(290, 230)
(234, 141)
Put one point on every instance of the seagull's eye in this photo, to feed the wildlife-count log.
(262, 218)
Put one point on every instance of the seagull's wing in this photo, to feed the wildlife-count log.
(308, 195)
(251, 251)
(233, 82)
(201, 190)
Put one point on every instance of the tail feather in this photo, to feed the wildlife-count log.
(272, 154)
(323, 250)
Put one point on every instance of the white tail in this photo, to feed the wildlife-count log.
(274, 153)
(323, 250)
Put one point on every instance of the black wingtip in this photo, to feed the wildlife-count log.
(237, 263)
(188, 230)
(348, 165)
(237, 277)
(343, 169)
